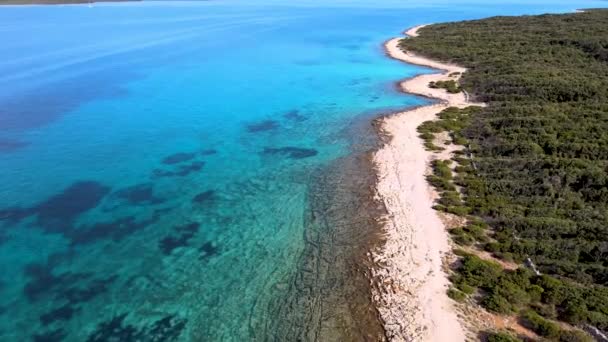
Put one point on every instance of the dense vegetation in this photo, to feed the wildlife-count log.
(534, 178)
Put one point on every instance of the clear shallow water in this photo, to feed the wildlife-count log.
(165, 166)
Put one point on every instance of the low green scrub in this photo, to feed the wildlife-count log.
(440, 184)
(457, 295)
(539, 325)
(502, 337)
(452, 120)
(574, 336)
(450, 86)
(441, 168)
(469, 234)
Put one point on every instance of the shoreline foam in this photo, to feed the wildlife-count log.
(410, 281)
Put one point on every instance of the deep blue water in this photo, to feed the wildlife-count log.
(159, 160)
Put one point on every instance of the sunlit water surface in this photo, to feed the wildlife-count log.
(161, 162)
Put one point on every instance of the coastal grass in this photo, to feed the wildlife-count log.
(534, 175)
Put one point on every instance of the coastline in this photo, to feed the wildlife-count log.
(411, 283)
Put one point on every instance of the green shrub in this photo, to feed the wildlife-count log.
(449, 199)
(502, 337)
(492, 247)
(506, 256)
(432, 147)
(440, 183)
(456, 295)
(457, 231)
(545, 310)
(464, 240)
(575, 311)
(497, 303)
(440, 207)
(535, 292)
(460, 140)
(478, 272)
(458, 210)
(475, 230)
(574, 336)
(451, 86)
(515, 295)
(465, 288)
(554, 291)
(540, 325)
(460, 252)
(441, 168)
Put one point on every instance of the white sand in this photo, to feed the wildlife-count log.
(411, 294)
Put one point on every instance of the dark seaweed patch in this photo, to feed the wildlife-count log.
(61, 209)
(262, 126)
(115, 230)
(42, 280)
(294, 115)
(56, 335)
(178, 158)
(14, 214)
(292, 152)
(75, 288)
(188, 228)
(181, 171)
(157, 173)
(165, 329)
(207, 250)
(11, 145)
(180, 238)
(161, 211)
(114, 330)
(138, 194)
(62, 313)
(208, 152)
(96, 287)
(188, 169)
(57, 213)
(41, 105)
(204, 197)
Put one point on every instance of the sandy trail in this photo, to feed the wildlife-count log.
(411, 294)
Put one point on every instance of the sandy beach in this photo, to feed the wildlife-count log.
(411, 294)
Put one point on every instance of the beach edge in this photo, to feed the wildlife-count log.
(410, 281)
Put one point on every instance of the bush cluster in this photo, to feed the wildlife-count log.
(450, 86)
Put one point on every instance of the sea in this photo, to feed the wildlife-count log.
(200, 170)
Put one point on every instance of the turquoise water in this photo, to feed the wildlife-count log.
(194, 171)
